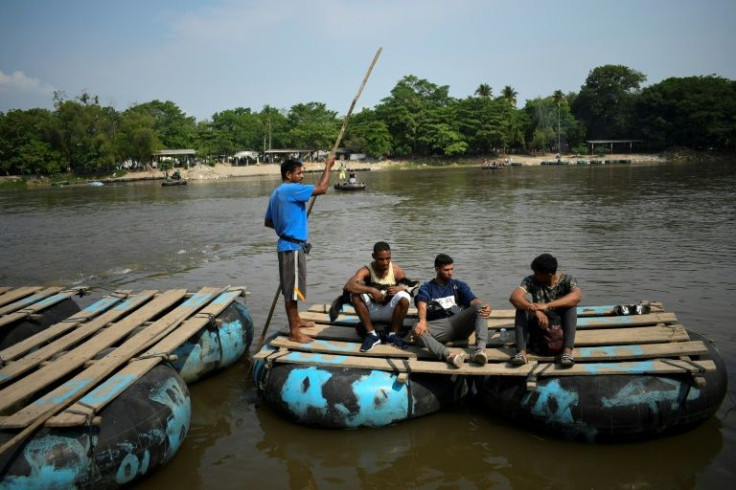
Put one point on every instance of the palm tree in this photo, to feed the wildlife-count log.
(484, 90)
(558, 97)
(509, 94)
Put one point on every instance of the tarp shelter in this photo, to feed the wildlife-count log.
(183, 157)
(245, 157)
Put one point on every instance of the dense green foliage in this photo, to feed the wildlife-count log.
(417, 119)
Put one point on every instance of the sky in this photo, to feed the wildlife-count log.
(208, 56)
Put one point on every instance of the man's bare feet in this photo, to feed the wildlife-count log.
(301, 338)
(306, 324)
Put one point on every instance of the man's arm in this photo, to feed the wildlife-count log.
(324, 180)
(421, 326)
(268, 222)
(357, 285)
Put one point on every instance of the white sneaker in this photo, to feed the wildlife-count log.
(456, 360)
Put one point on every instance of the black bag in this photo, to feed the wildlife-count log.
(549, 342)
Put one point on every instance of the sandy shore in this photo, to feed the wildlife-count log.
(223, 171)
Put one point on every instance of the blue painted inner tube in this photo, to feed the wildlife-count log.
(217, 346)
(341, 398)
(141, 429)
(609, 408)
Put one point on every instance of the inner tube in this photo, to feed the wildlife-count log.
(217, 346)
(141, 429)
(16, 332)
(609, 408)
(344, 398)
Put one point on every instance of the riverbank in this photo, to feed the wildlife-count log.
(225, 171)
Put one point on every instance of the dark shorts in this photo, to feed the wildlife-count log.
(293, 275)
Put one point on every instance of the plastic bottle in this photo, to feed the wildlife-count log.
(504, 335)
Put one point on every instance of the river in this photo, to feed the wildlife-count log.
(663, 232)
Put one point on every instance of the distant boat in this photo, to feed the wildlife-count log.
(350, 186)
(492, 166)
(166, 183)
(96, 183)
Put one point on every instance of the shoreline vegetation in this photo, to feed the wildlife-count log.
(204, 172)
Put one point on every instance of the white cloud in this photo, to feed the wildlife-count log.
(19, 81)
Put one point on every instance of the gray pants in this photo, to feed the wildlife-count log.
(456, 327)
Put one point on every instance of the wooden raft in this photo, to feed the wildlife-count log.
(653, 343)
(65, 374)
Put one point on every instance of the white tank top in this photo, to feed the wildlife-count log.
(388, 279)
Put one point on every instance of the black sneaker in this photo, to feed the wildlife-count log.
(397, 341)
(369, 342)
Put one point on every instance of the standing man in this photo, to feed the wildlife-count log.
(378, 293)
(448, 310)
(287, 215)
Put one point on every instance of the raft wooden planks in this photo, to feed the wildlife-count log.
(33, 359)
(41, 302)
(16, 294)
(653, 366)
(95, 400)
(583, 354)
(76, 387)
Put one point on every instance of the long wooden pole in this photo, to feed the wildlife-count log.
(314, 198)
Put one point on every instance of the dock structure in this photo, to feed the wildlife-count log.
(65, 374)
(605, 344)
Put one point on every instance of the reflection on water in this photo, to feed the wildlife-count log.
(660, 232)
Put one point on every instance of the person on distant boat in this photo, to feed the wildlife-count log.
(448, 310)
(176, 175)
(352, 179)
(287, 215)
(549, 291)
(343, 174)
(379, 292)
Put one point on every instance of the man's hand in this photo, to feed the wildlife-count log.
(485, 311)
(542, 319)
(377, 296)
(420, 328)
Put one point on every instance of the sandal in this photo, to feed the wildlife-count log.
(567, 360)
(518, 360)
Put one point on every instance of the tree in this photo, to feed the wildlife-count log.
(312, 126)
(484, 90)
(411, 114)
(137, 140)
(605, 103)
(367, 134)
(174, 128)
(25, 143)
(697, 112)
(84, 132)
(509, 95)
(557, 97)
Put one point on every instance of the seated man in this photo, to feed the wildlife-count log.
(549, 290)
(448, 310)
(377, 293)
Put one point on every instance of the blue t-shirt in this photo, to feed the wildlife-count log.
(444, 295)
(287, 209)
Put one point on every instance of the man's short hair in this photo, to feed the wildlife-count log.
(442, 260)
(381, 247)
(545, 263)
(289, 165)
